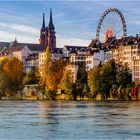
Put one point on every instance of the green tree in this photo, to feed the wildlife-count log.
(31, 77)
(101, 79)
(94, 81)
(123, 76)
(108, 78)
(5, 84)
(81, 80)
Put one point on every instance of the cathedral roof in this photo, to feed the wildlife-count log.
(15, 46)
(36, 47)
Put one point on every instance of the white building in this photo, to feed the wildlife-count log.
(77, 57)
(21, 53)
(95, 59)
(127, 52)
(56, 54)
(32, 61)
(67, 49)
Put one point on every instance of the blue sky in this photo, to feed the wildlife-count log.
(75, 21)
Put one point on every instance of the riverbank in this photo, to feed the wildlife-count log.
(33, 92)
(65, 97)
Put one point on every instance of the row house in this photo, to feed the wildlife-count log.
(32, 61)
(67, 49)
(95, 59)
(22, 51)
(127, 51)
(56, 54)
(77, 57)
(19, 50)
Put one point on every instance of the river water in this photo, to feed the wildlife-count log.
(69, 120)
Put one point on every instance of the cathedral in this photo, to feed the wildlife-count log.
(47, 34)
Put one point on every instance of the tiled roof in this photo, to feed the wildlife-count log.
(3, 45)
(36, 47)
(32, 47)
(17, 47)
(75, 48)
(32, 57)
(56, 50)
(5, 51)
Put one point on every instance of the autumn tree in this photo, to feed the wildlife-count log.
(66, 83)
(46, 66)
(52, 73)
(11, 70)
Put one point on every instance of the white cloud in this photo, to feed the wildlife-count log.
(9, 36)
(136, 22)
(61, 41)
(23, 34)
(19, 28)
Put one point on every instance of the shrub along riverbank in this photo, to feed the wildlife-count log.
(104, 82)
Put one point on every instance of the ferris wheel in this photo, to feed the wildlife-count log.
(111, 24)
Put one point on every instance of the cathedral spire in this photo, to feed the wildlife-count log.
(43, 23)
(51, 26)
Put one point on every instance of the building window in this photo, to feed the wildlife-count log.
(136, 68)
(136, 62)
(136, 74)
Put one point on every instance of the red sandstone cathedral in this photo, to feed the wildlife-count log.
(47, 34)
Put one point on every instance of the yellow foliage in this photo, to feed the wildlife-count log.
(13, 69)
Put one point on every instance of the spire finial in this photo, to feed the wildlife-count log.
(43, 23)
(51, 26)
(51, 15)
(15, 40)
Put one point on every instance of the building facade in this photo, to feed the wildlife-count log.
(32, 62)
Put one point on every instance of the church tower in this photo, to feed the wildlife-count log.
(51, 33)
(43, 32)
(47, 34)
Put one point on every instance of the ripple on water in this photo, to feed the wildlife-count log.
(69, 120)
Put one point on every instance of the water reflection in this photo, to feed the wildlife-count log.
(69, 120)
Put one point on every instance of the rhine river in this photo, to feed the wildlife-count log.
(69, 120)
